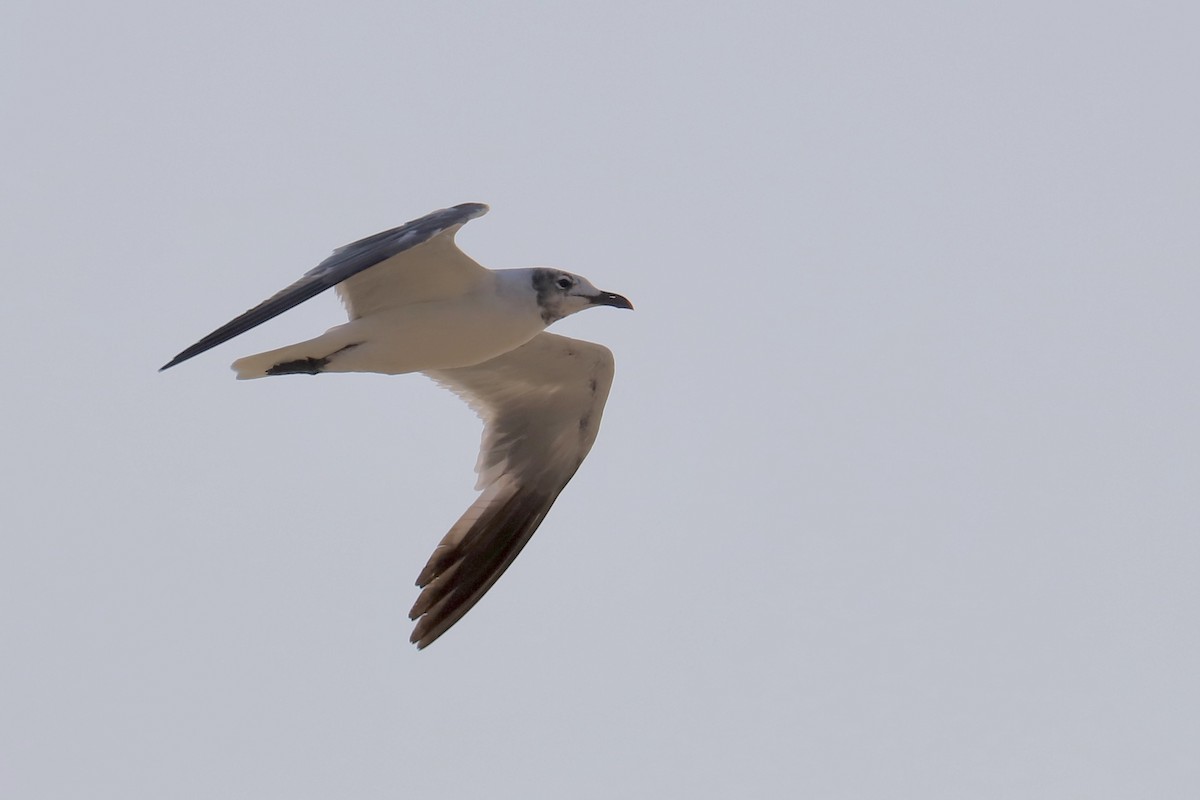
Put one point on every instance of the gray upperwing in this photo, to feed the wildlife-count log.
(343, 263)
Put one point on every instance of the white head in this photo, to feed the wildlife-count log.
(560, 294)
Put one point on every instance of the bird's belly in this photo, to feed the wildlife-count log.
(435, 335)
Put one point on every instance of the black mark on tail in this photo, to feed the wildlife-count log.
(307, 366)
(301, 366)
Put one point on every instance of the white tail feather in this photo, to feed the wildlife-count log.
(256, 366)
(323, 346)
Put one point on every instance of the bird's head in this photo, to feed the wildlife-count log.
(560, 294)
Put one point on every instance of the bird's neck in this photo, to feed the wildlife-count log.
(515, 287)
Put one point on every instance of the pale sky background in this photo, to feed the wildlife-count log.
(896, 494)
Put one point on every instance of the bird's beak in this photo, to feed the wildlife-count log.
(610, 299)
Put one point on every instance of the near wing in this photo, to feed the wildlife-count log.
(541, 407)
(415, 262)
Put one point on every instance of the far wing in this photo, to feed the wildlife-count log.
(541, 406)
(415, 262)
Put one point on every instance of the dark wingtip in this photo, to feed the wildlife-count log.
(474, 209)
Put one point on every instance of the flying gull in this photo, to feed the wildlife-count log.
(419, 304)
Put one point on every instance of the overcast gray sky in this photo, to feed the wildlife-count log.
(896, 492)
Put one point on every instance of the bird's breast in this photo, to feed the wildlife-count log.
(439, 335)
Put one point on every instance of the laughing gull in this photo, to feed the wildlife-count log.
(419, 304)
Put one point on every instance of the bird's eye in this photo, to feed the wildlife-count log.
(564, 282)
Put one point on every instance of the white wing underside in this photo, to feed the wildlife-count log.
(541, 405)
(435, 270)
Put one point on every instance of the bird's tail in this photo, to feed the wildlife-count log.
(304, 358)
